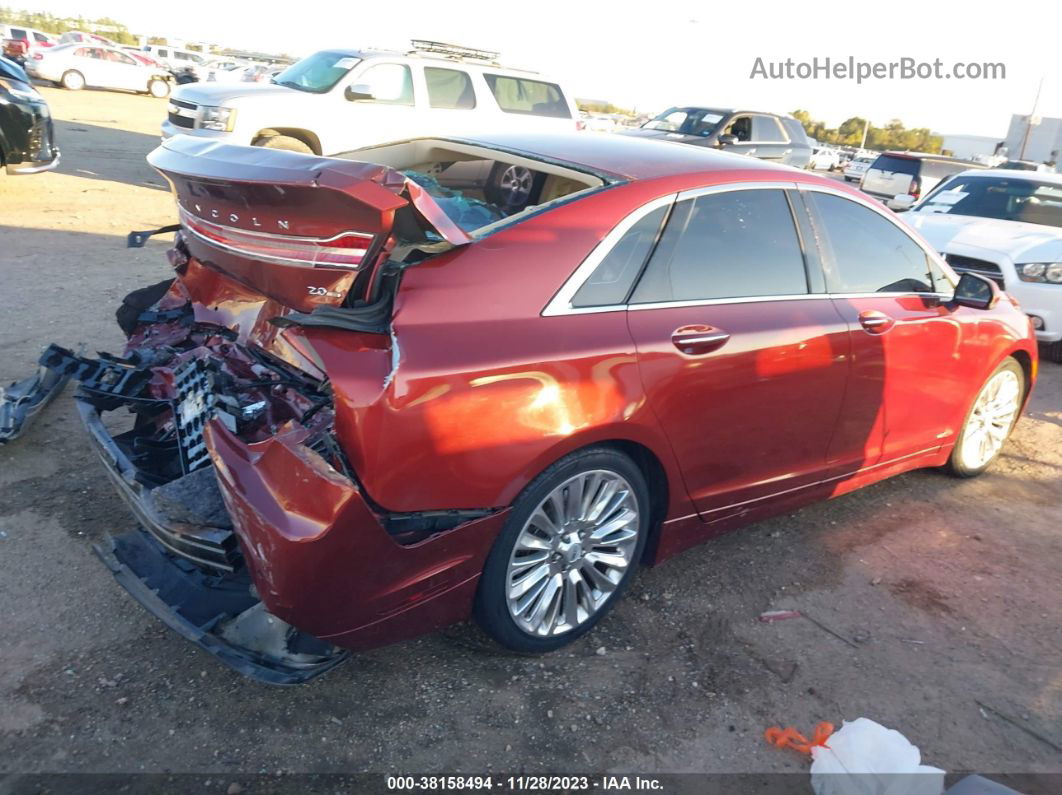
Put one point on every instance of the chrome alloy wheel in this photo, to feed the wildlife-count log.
(572, 553)
(514, 185)
(991, 419)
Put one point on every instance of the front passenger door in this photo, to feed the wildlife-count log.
(389, 115)
(743, 357)
(906, 341)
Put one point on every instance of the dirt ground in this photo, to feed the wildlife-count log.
(935, 601)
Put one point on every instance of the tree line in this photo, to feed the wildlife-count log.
(850, 133)
(49, 23)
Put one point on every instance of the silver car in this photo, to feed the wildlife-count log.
(77, 65)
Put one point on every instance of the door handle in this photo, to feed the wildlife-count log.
(875, 322)
(698, 339)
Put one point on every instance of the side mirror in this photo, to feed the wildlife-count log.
(901, 202)
(359, 91)
(976, 292)
(727, 140)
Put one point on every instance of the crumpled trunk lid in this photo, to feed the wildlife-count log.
(300, 230)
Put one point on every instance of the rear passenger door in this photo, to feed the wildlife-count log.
(451, 100)
(743, 357)
(770, 140)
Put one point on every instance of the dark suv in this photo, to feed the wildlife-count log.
(27, 144)
(767, 136)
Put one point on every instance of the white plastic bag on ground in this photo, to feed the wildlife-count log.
(865, 758)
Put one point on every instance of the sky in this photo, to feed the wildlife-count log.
(655, 55)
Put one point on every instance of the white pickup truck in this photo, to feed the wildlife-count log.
(338, 100)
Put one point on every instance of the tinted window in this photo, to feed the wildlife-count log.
(902, 165)
(795, 130)
(726, 245)
(449, 88)
(518, 95)
(688, 121)
(613, 277)
(40, 37)
(19, 35)
(390, 83)
(740, 127)
(765, 128)
(865, 252)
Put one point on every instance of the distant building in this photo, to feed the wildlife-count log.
(967, 147)
(1044, 143)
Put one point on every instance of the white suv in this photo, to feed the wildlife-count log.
(338, 100)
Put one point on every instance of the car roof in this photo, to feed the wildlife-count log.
(622, 156)
(926, 156)
(729, 111)
(1014, 173)
(421, 55)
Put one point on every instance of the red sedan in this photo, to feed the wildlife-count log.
(444, 377)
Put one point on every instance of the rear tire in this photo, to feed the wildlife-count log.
(989, 422)
(73, 80)
(285, 142)
(590, 510)
(158, 88)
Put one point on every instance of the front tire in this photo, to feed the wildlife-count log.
(160, 89)
(1051, 351)
(73, 80)
(989, 421)
(567, 552)
(285, 142)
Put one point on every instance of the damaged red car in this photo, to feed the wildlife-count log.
(379, 396)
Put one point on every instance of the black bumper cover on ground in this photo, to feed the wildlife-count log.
(193, 604)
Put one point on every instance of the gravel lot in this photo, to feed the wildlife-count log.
(942, 596)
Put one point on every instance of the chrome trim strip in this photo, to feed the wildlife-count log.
(752, 299)
(182, 212)
(729, 187)
(34, 167)
(561, 303)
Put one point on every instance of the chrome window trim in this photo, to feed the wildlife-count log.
(561, 303)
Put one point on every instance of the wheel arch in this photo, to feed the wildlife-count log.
(667, 493)
(308, 137)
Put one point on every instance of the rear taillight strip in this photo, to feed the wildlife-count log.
(343, 250)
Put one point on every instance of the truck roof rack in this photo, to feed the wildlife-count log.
(454, 51)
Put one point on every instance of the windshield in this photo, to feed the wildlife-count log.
(688, 121)
(318, 73)
(1022, 200)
